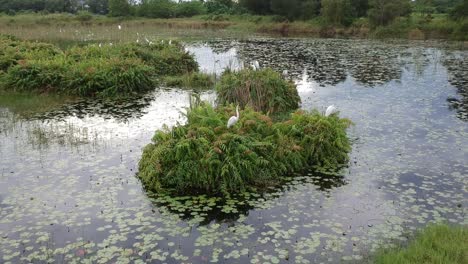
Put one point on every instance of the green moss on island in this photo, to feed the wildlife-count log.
(91, 70)
(205, 156)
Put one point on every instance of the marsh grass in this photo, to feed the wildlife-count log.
(263, 90)
(434, 244)
(63, 28)
(193, 80)
(91, 70)
(205, 156)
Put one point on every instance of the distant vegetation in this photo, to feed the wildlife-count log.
(418, 19)
(433, 245)
(207, 157)
(92, 70)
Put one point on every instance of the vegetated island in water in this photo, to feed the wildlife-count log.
(270, 139)
(95, 70)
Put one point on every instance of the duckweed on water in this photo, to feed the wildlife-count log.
(93, 70)
(205, 156)
(264, 90)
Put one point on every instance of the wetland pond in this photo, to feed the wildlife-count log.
(68, 191)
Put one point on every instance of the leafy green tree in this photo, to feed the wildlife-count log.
(98, 6)
(310, 9)
(338, 12)
(119, 8)
(190, 8)
(287, 8)
(360, 7)
(383, 12)
(460, 11)
(261, 7)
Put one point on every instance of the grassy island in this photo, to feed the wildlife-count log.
(205, 156)
(93, 70)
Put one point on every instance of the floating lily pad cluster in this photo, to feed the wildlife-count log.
(92, 70)
(206, 156)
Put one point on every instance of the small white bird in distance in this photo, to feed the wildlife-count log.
(331, 110)
(120, 27)
(233, 119)
(170, 41)
(285, 73)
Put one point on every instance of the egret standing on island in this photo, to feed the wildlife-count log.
(233, 120)
(331, 110)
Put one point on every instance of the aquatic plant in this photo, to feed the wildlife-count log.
(92, 70)
(207, 157)
(434, 244)
(197, 80)
(263, 90)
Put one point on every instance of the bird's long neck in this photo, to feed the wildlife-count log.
(237, 111)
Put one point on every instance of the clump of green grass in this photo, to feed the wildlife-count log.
(205, 156)
(92, 70)
(263, 90)
(434, 244)
(196, 80)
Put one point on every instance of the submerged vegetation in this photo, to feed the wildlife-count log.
(434, 244)
(205, 156)
(263, 90)
(92, 70)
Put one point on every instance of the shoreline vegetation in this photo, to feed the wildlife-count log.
(96, 28)
(434, 244)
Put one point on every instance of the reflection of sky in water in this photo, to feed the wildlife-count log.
(68, 189)
(215, 61)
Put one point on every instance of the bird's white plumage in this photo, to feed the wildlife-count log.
(331, 110)
(233, 119)
(255, 65)
(120, 27)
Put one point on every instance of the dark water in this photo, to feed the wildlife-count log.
(68, 192)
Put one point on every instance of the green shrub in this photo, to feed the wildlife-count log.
(434, 244)
(263, 90)
(190, 8)
(206, 156)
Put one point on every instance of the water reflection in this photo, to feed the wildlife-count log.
(457, 66)
(84, 204)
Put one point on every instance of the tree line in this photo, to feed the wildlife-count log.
(337, 12)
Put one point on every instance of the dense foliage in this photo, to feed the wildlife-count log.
(206, 156)
(263, 90)
(91, 70)
(338, 12)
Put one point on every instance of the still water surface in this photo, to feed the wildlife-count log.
(68, 191)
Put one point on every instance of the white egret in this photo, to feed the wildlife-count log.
(233, 120)
(331, 110)
(120, 27)
(170, 41)
(255, 65)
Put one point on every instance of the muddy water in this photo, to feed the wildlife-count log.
(68, 191)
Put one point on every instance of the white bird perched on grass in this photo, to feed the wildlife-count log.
(120, 27)
(331, 110)
(233, 119)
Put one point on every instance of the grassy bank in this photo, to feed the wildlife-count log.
(68, 27)
(433, 245)
(91, 70)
